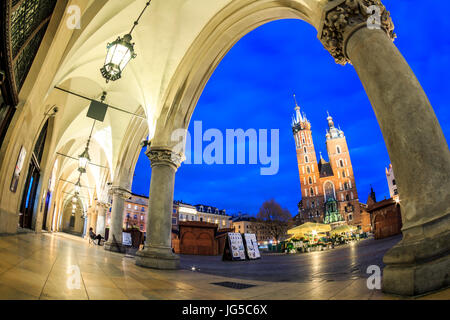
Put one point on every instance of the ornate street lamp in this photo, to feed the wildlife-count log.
(120, 52)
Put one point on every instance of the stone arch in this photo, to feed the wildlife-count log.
(224, 30)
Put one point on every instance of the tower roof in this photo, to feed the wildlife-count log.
(325, 168)
(333, 132)
(298, 117)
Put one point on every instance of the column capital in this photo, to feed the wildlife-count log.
(119, 191)
(164, 156)
(104, 205)
(342, 18)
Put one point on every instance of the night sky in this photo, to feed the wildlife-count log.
(253, 86)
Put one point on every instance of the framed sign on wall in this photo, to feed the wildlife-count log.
(18, 169)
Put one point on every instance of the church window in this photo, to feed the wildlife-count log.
(304, 149)
(306, 159)
(341, 163)
(329, 191)
(312, 204)
(310, 180)
(393, 182)
(311, 192)
(308, 169)
(343, 173)
(347, 197)
(338, 149)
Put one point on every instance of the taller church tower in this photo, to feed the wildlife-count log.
(312, 200)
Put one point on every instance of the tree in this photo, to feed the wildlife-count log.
(274, 219)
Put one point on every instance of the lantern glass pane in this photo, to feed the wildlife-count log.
(121, 53)
(83, 161)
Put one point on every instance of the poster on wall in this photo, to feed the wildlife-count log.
(251, 246)
(126, 239)
(234, 247)
(18, 169)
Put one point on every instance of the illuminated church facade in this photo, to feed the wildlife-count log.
(328, 188)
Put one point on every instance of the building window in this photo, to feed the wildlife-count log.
(395, 192)
(306, 159)
(304, 149)
(347, 197)
(393, 182)
(311, 192)
(308, 169)
(310, 180)
(129, 206)
(338, 149)
(341, 163)
(343, 173)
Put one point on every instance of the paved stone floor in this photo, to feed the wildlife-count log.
(44, 266)
(348, 262)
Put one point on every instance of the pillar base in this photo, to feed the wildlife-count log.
(114, 247)
(418, 266)
(158, 258)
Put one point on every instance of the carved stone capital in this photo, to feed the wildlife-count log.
(121, 192)
(163, 156)
(104, 205)
(342, 18)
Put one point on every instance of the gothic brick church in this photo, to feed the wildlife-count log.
(328, 188)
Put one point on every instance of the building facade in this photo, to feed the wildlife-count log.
(328, 188)
(248, 224)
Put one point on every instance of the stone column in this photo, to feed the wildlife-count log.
(92, 219)
(417, 147)
(101, 218)
(157, 251)
(114, 242)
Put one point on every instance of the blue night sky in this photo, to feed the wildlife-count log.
(253, 86)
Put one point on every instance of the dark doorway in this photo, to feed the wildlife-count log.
(47, 204)
(31, 185)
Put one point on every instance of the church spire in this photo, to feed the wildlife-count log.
(298, 115)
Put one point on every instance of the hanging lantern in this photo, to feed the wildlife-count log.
(78, 187)
(120, 52)
(83, 160)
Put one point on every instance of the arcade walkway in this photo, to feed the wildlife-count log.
(37, 266)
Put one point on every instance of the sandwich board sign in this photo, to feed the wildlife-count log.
(251, 246)
(234, 247)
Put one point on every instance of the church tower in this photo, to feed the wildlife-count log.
(311, 205)
(344, 179)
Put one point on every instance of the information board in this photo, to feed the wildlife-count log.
(251, 246)
(126, 239)
(234, 247)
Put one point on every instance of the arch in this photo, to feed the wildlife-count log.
(224, 30)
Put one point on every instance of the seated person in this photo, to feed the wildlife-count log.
(94, 236)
